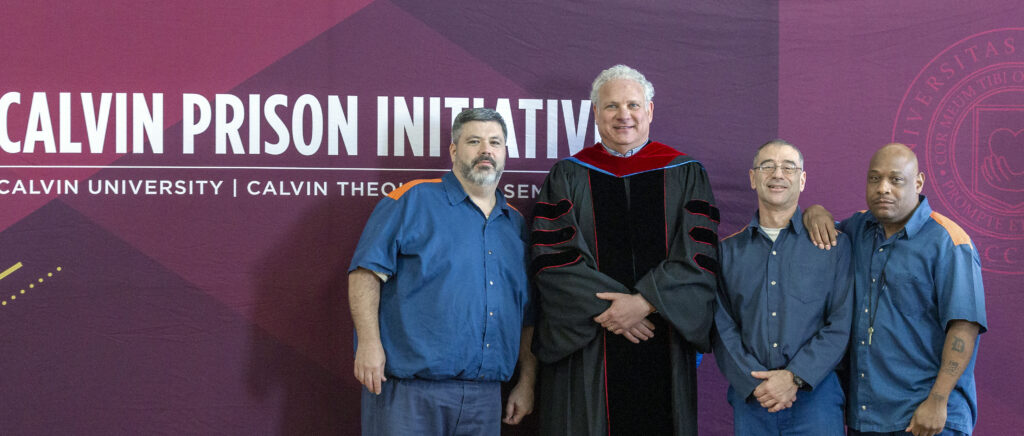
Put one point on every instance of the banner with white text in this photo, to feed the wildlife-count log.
(184, 182)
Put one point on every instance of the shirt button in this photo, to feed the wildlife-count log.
(862, 342)
(491, 313)
(863, 407)
(773, 282)
(862, 375)
(775, 345)
(491, 282)
(773, 313)
(774, 253)
(490, 252)
(488, 345)
(880, 250)
(865, 310)
(872, 280)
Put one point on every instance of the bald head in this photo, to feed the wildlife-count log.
(893, 185)
(895, 152)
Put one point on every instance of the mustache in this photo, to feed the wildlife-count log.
(484, 158)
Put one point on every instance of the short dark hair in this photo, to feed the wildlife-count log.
(477, 114)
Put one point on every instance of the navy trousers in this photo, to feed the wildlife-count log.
(945, 432)
(815, 413)
(432, 407)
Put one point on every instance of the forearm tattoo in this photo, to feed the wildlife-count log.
(951, 367)
(958, 344)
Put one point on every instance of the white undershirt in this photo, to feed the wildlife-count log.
(772, 233)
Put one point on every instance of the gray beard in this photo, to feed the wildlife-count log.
(481, 178)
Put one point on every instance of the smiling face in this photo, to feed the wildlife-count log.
(777, 190)
(479, 155)
(623, 115)
(893, 185)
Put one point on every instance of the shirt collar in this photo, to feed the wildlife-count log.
(795, 222)
(626, 154)
(916, 221)
(453, 189)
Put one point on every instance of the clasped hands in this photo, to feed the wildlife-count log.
(777, 390)
(627, 316)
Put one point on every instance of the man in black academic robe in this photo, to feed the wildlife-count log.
(624, 261)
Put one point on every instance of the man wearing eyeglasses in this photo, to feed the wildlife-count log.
(919, 307)
(784, 310)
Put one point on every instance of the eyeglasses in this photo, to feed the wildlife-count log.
(770, 169)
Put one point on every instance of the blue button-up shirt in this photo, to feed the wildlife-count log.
(783, 304)
(629, 153)
(454, 304)
(932, 275)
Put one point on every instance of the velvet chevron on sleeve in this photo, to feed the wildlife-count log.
(645, 224)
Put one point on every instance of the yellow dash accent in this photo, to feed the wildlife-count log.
(10, 270)
(397, 193)
(58, 268)
(31, 285)
(14, 297)
(40, 280)
(957, 234)
(49, 274)
(22, 291)
(4, 303)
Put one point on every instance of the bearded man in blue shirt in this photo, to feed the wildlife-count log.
(919, 307)
(784, 310)
(438, 291)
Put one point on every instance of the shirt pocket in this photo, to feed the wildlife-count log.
(910, 292)
(808, 282)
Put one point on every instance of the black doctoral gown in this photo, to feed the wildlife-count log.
(644, 224)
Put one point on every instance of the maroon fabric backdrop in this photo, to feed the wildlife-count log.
(183, 183)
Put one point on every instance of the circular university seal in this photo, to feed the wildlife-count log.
(964, 116)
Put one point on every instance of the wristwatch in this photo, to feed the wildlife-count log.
(799, 382)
